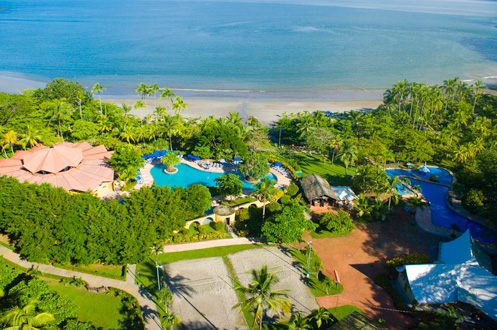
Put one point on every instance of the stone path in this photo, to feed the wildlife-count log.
(211, 244)
(147, 305)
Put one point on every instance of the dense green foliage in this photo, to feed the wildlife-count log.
(410, 259)
(49, 224)
(336, 223)
(229, 185)
(288, 225)
(126, 161)
(254, 166)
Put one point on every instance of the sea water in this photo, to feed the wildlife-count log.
(287, 45)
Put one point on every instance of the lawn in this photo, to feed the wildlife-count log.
(316, 278)
(342, 311)
(115, 272)
(335, 174)
(323, 233)
(102, 310)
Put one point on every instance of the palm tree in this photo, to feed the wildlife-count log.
(179, 105)
(126, 110)
(265, 189)
(143, 90)
(98, 89)
(154, 88)
(299, 322)
(26, 317)
(170, 125)
(319, 315)
(335, 145)
(165, 297)
(9, 139)
(261, 297)
(127, 134)
(477, 88)
(168, 95)
(362, 205)
(348, 154)
(58, 110)
(170, 319)
(391, 189)
(31, 137)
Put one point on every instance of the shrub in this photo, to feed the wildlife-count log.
(273, 207)
(337, 223)
(474, 200)
(292, 189)
(410, 259)
(285, 199)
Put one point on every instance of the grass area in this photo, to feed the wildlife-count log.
(325, 233)
(101, 309)
(115, 272)
(316, 280)
(335, 174)
(11, 248)
(342, 311)
(249, 317)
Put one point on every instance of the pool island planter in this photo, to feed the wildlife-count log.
(172, 172)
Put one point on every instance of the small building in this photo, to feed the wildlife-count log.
(317, 190)
(221, 213)
(344, 194)
(462, 274)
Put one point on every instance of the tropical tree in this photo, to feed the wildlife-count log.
(348, 154)
(321, 315)
(165, 297)
(168, 95)
(27, 317)
(143, 90)
(30, 137)
(98, 89)
(265, 189)
(179, 105)
(170, 320)
(254, 166)
(170, 159)
(154, 88)
(299, 322)
(229, 185)
(8, 140)
(477, 89)
(171, 127)
(126, 110)
(126, 161)
(59, 111)
(260, 296)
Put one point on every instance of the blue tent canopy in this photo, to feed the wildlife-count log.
(163, 152)
(237, 159)
(156, 153)
(144, 157)
(196, 158)
(277, 164)
(150, 156)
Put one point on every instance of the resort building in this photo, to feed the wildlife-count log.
(462, 274)
(74, 167)
(318, 192)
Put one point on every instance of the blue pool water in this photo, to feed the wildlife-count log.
(442, 175)
(441, 214)
(186, 176)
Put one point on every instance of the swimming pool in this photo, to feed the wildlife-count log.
(441, 214)
(187, 176)
(443, 176)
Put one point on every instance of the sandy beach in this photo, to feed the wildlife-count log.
(266, 112)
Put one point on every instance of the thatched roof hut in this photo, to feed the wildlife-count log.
(315, 187)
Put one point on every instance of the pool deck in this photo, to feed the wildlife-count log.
(148, 180)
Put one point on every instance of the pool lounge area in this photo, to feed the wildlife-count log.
(441, 214)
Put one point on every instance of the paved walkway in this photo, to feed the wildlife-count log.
(147, 305)
(211, 244)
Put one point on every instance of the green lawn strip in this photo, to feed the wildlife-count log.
(315, 280)
(114, 272)
(342, 311)
(25, 270)
(11, 248)
(101, 309)
(326, 233)
(239, 201)
(335, 173)
(249, 318)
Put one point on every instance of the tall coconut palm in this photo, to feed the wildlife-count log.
(98, 89)
(265, 189)
(8, 140)
(26, 317)
(140, 105)
(299, 322)
(179, 105)
(126, 110)
(477, 89)
(128, 134)
(143, 90)
(30, 137)
(170, 320)
(170, 126)
(348, 154)
(154, 88)
(59, 111)
(168, 95)
(260, 297)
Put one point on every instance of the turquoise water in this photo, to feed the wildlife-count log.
(284, 45)
(186, 176)
(441, 214)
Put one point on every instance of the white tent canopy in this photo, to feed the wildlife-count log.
(344, 193)
(460, 278)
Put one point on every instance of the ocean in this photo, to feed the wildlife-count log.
(271, 46)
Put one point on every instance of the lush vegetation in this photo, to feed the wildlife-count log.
(339, 223)
(27, 298)
(48, 224)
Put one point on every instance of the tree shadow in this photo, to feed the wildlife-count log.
(177, 285)
(196, 325)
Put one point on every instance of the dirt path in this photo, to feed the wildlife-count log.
(360, 256)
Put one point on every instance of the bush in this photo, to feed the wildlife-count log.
(474, 200)
(410, 259)
(219, 226)
(285, 199)
(336, 223)
(292, 189)
(273, 207)
(291, 170)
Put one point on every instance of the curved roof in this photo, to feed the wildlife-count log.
(78, 167)
(315, 186)
(223, 210)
